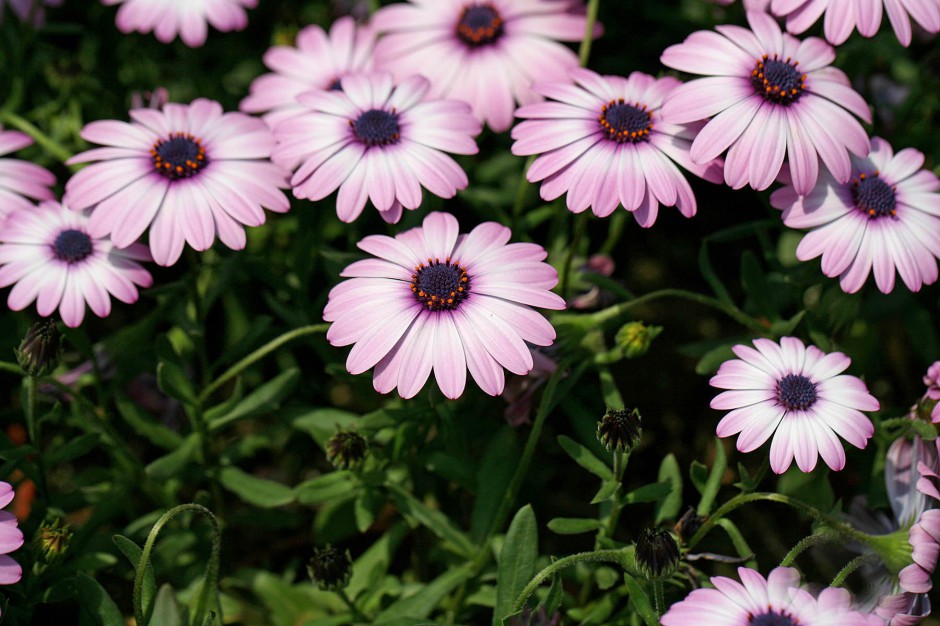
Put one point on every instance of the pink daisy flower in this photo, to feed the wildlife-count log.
(11, 538)
(796, 394)
(20, 180)
(486, 53)
(436, 299)
(188, 172)
(605, 142)
(844, 16)
(51, 257)
(771, 96)
(775, 601)
(932, 380)
(187, 18)
(886, 217)
(903, 609)
(319, 61)
(375, 141)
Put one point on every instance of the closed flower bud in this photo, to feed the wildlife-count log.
(657, 554)
(52, 539)
(635, 338)
(41, 349)
(620, 430)
(346, 449)
(329, 568)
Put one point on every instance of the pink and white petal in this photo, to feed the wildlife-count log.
(484, 369)
(498, 338)
(450, 363)
(379, 340)
(756, 432)
(10, 571)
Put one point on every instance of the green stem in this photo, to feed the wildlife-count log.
(522, 191)
(615, 312)
(850, 567)
(509, 495)
(212, 570)
(360, 617)
(48, 143)
(659, 598)
(737, 501)
(579, 228)
(32, 428)
(623, 558)
(803, 545)
(584, 52)
(620, 466)
(259, 354)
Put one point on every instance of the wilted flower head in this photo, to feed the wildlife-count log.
(657, 554)
(932, 395)
(346, 449)
(620, 429)
(330, 568)
(688, 525)
(41, 348)
(520, 390)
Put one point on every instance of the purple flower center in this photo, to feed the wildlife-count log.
(179, 156)
(376, 127)
(778, 81)
(440, 286)
(622, 122)
(873, 196)
(797, 393)
(72, 246)
(772, 618)
(479, 25)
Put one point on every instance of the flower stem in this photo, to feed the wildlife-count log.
(522, 191)
(659, 598)
(32, 428)
(850, 567)
(579, 228)
(615, 312)
(737, 501)
(584, 53)
(622, 557)
(45, 141)
(212, 569)
(259, 354)
(803, 545)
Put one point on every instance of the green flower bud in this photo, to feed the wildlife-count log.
(41, 349)
(52, 540)
(330, 568)
(620, 430)
(657, 554)
(635, 338)
(346, 449)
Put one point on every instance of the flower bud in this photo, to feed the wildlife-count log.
(657, 554)
(330, 568)
(52, 540)
(620, 430)
(635, 338)
(41, 349)
(346, 449)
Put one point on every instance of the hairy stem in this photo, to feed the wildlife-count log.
(623, 558)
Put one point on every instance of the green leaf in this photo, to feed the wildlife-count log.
(698, 472)
(145, 425)
(573, 525)
(421, 604)
(495, 472)
(713, 484)
(668, 507)
(607, 491)
(737, 539)
(170, 465)
(72, 449)
(606, 577)
(133, 553)
(640, 601)
(167, 611)
(654, 492)
(367, 505)
(171, 373)
(417, 512)
(323, 488)
(583, 457)
(264, 399)
(321, 424)
(813, 488)
(516, 561)
(262, 493)
(712, 359)
(372, 565)
(95, 605)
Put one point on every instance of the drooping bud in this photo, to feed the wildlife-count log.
(688, 524)
(330, 568)
(657, 554)
(620, 429)
(41, 348)
(346, 449)
(636, 338)
(52, 539)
